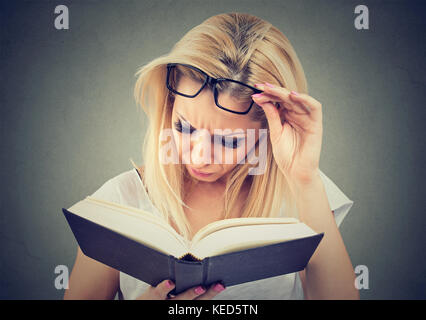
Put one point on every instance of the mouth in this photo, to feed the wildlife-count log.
(200, 173)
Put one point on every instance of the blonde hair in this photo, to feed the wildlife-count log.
(231, 45)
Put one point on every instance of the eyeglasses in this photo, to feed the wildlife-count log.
(196, 80)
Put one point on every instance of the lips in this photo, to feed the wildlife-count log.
(200, 173)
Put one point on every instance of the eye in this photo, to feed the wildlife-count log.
(178, 127)
(232, 144)
(227, 143)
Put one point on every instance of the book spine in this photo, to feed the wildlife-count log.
(188, 274)
(206, 265)
(172, 276)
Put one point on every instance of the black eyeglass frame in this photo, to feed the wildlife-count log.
(212, 81)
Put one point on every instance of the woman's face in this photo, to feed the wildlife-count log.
(202, 114)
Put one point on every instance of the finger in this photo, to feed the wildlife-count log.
(162, 289)
(213, 291)
(296, 122)
(314, 106)
(190, 294)
(278, 104)
(265, 97)
(279, 92)
(262, 98)
(283, 97)
(295, 115)
(272, 116)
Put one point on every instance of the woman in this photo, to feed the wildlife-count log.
(266, 89)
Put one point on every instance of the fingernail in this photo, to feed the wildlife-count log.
(295, 93)
(199, 290)
(269, 85)
(257, 95)
(170, 284)
(218, 287)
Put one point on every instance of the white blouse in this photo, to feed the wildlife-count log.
(127, 188)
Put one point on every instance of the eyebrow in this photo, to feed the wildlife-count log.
(219, 135)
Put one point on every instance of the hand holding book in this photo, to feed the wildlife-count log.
(163, 289)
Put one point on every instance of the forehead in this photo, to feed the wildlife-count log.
(202, 110)
(204, 114)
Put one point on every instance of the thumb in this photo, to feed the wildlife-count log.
(163, 288)
(274, 120)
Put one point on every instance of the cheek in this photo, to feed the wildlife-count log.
(183, 149)
(177, 141)
(229, 157)
(228, 167)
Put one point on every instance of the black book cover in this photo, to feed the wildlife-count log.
(152, 266)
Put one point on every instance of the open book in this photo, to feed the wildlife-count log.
(146, 247)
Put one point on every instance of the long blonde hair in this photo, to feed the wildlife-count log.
(231, 45)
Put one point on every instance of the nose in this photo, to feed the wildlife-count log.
(202, 149)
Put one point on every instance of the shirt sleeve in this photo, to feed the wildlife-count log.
(108, 191)
(338, 201)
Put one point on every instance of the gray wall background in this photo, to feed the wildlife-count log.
(69, 122)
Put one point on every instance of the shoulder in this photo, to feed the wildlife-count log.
(121, 188)
(335, 194)
(339, 202)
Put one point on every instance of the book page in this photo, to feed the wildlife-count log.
(137, 225)
(135, 212)
(249, 236)
(228, 223)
